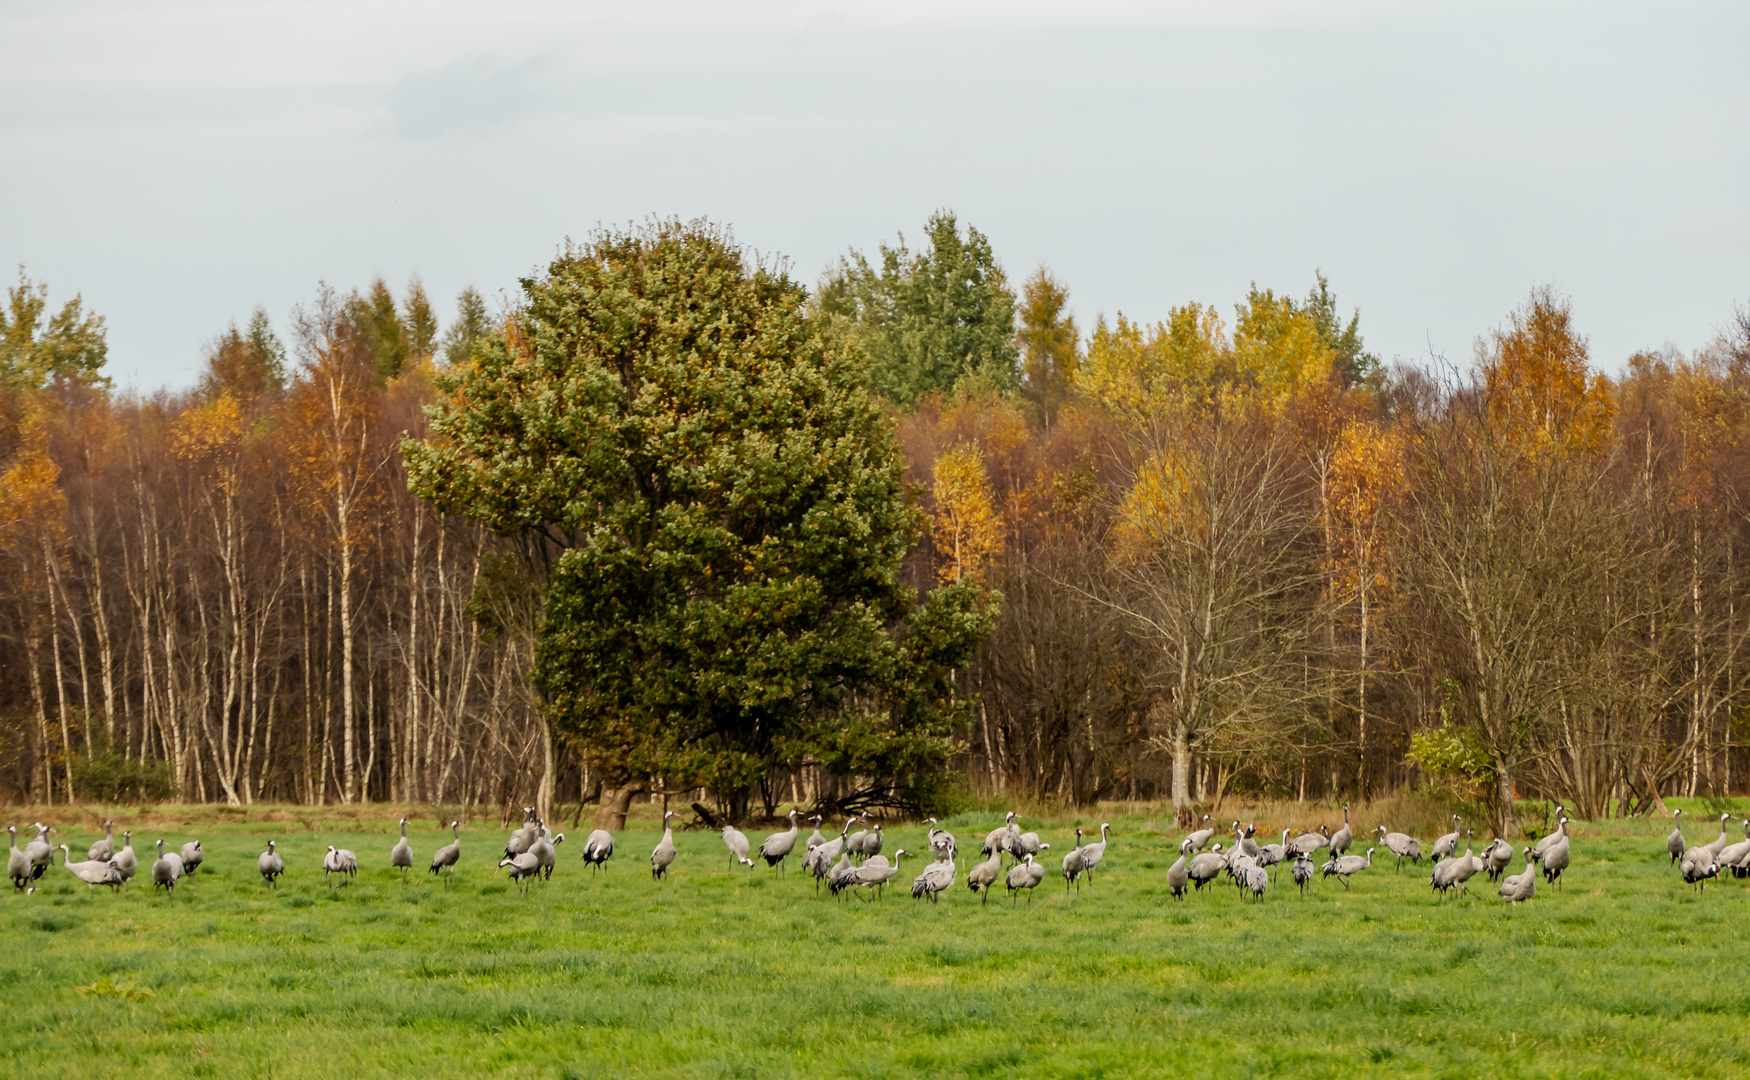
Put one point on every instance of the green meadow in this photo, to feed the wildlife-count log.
(722, 971)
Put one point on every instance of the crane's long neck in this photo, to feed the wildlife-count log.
(404, 830)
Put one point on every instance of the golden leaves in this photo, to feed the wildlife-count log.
(968, 530)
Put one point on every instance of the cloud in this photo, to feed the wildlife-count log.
(469, 95)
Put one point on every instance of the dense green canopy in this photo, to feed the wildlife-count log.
(728, 515)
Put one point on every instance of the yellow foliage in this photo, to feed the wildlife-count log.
(31, 500)
(1366, 468)
(1137, 371)
(1540, 381)
(1278, 351)
(1166, 505)
(968, 529)
(208, 430)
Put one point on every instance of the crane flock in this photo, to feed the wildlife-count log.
(851, 864)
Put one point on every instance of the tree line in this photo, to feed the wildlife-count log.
(1200, 556)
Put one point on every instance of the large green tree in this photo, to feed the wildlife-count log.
(928, 321)
(725, 516)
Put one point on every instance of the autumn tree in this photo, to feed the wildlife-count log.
(968, 530)
(336, 461)
(247, 364)
(727, 517)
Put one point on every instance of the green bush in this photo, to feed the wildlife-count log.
(1451, 757)
(103, 775)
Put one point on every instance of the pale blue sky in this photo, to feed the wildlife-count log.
(180, 164)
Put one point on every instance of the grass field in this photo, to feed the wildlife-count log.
(730, 972)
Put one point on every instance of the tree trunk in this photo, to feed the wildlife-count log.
(1181, 767)
(1506, 812)
(611, 814)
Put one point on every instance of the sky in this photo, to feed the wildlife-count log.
(179, 164)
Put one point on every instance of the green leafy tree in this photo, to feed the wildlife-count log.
(418, 320)
(1050, 345)
(727, 516)
(1352, 362)
(470, 326)
(378, 324)
(395, 333)
(929, 322)
(68, 349)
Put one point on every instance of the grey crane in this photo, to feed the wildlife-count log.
(1257, 879)
(1520, 887)
(1308, 842)
(1345, 865)
(1736, 857)
(92, 873)
(875, 872)
(854, 843)
(1446, 845)
(522, 868)
(1000, 839)
(124, 859)
(1028, 843)
(1204, 866)
(736, 841)
(545, 849)
(401, 854)
(1674, 844)
(521, 839)
(1497, 857)
(1025, 874)
(1243, 841)
(598, 848)
(271, 865)
(445, 858)
(1401, 845)
(1702, 862)
(777, 847)
(841, 876)
(1178, 877)
(814, 838)
(983, 875)
(1697, 865)
(1557, 855)
(17, 866)
(819, 862)
(1073, 866)
(936, 879)
(165, 870)
(103, 849)
(871, 843)
(662, 856)
(1302, 872)
(1718, 844)
(333, 864)
(1271, 854)
(38, 852)
(1344, 836)
(1095, 853)
(1456, 871)
(942, 842)
(1200, 839)
(1544, 844)
(192, 857)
